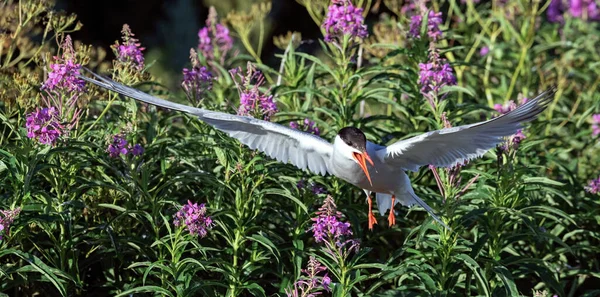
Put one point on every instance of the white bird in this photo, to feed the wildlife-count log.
(347, 157)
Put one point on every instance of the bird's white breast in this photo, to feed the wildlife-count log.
(385, 178)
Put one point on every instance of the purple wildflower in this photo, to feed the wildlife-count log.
(435, 74)
(306, 126)
(137, 150)
(311, 284)
(130, 52)
(433, 26)
(194, 218)
(252, 101)
(43, 125)
(516, 139)
(195, 82)
(214, 38)
(315, 188)
(555, 11)
(326, 226)
(596, 124)
(344, 19)
(503, 109)
(484, 51)
(318, 189)
(117, 147)
(593, 186)
(6, 219)
(63, 74)
(453, 176)
(326, 282)
(301, 184)
(583, 9)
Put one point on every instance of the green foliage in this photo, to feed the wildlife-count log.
(95, 225)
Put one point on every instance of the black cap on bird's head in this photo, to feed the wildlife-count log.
(357, 140)
(354, 138)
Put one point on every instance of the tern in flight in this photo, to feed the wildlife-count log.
(369, 166)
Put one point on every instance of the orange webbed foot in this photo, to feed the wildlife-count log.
(372, 219)
(392, 215)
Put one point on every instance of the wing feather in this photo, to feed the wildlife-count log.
(451, 146)
(304, 150)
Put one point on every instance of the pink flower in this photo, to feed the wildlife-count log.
(433, 76)
(516, 139)
(194, 218)
(596, 124)
(344, 19)
(6, 219)
(119, 146)
(306, 126)
(252, 101)
(327, 225)
(63, 74)
(214, 38)
(310, 284)
(43, 125)
(130, 52)
(484, 51)
(593, 186)
(433, 26)
(196, 82)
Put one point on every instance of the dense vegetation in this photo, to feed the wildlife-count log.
(101, 195)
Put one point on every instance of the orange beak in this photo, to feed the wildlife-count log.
(361, 159)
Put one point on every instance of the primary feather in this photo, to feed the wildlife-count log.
(304, 150)
(451, 146)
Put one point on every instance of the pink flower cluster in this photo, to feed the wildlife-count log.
(6, 219)
(63, 74)
(314, 187)
(593, 186)
(43, 125)
(130, 52)
(434, 21)
(119, 147)
(306, 126)
(516, 139)
(214, 38)
(343, 18)
(596, 124)
(327, 225)
(196, 82)
(194, 218)
(311, 284)
(587, 9)
(252, 101)
(211, 38)
(434, 75)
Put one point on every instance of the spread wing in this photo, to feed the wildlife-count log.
(304, 150)
(451, 146)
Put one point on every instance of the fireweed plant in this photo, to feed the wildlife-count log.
(103, 196)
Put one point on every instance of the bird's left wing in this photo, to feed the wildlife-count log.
(451, 146)
(304, 150)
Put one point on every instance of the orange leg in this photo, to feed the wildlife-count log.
(372, 220)
(392, 215)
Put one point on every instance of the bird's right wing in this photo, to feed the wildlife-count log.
(304, 150)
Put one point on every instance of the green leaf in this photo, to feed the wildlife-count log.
(507, 280)
(477, 272)
(51, 274)
(146, 289)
